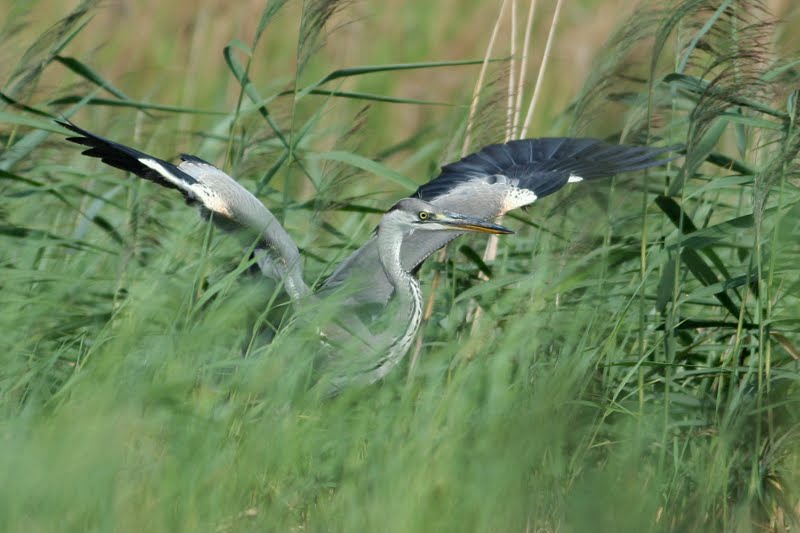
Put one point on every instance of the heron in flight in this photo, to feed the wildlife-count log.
(465, 197)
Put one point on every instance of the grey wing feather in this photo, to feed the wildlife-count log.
(131, 160)
(487, 184)
(230, 205)
(543, 165)
(361, 276)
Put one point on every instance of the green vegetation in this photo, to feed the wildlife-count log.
(634, 364)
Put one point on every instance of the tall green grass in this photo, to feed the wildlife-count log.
(634, 365)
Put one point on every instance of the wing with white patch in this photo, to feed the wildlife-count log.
(126, 158)
(219, 196)
(199, 181)
(486, 184)
(517, 173)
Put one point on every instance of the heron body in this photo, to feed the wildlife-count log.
(463, 198)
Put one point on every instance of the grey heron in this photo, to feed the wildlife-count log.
(464, 197)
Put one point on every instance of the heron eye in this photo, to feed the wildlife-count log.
(423, 215)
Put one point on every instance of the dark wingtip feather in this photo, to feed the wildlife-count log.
(66, 123)
(544, 165)
(126, 158)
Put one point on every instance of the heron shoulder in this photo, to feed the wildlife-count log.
(222, 194)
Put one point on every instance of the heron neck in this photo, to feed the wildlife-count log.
(390, 241)
(406, 292)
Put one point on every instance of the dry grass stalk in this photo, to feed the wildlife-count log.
(542, 69)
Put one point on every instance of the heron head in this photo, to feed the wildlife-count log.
(415, 214)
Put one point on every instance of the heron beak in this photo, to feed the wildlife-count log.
(465, 223)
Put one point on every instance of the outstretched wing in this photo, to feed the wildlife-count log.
(502, 177)
(489, 183)
(199, 182)
(126, 158)
(219, 196)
